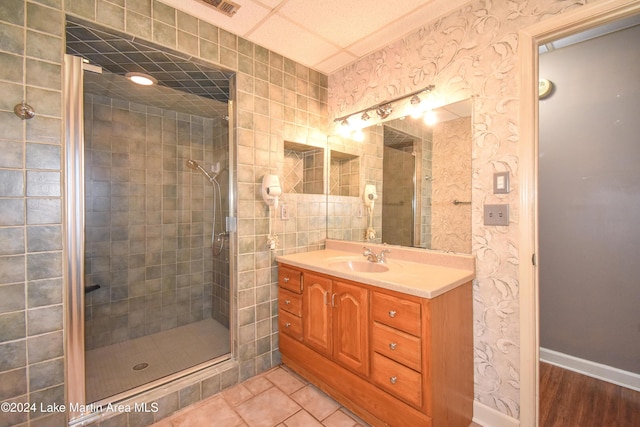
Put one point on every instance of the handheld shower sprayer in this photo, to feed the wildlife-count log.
(217, 208)
(195, 166)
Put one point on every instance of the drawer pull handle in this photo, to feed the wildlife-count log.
(392, 313)
(286, 279)
(393, 346)
(286, 325)
(287, 302)
(393, 380)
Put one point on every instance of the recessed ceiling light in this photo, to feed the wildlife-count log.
(141, 79)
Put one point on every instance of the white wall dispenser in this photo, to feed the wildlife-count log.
(271, 192)
(369, 196)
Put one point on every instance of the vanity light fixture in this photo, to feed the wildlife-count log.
(416, 109)
(384, 110)
(141, 79)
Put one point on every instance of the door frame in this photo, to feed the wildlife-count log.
(530, 39)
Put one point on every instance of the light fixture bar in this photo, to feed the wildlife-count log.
(385, 104)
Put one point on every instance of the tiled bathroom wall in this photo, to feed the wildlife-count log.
(303, 171)
(148, 219)
(277, 100)
(344, 174)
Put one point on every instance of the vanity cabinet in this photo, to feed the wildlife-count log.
(394, 359)
(397, 347)
(335, 318)
(290, 302)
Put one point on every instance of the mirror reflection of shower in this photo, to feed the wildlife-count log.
(217, 238)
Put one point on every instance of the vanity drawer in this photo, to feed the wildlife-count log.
(290, 279)
(397, 379)
(290, 324)
(396, 345)
(289, 301)
(396, 312)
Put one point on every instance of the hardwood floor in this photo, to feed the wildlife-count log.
(569, 399)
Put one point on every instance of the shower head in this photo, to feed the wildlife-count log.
(195, 166)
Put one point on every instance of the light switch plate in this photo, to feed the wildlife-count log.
(496, 214)
(501, 183)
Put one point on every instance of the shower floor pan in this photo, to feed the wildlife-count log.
(116, 368)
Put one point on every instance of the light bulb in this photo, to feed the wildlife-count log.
(430, 118)
(358, 135)
(141, 79)
(345, 129)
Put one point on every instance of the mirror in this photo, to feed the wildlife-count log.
(404, 183)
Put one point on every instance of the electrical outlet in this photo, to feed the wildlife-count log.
(496, 214)
(284, 212)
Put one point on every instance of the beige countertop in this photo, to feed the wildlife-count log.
(418, 272)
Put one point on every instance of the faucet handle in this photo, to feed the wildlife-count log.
(381, 258)
(367, 251)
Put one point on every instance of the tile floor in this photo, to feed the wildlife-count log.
(276, 398)
(109, 369)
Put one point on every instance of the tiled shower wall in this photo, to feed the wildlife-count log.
(397, 212)
(148, 219)
(423, 147)
(278, 100)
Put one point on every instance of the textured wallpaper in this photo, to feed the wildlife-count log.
(471, 52)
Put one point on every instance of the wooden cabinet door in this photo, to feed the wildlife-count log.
(351, 326)
(316, 313)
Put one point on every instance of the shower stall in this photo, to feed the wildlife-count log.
(149, 177)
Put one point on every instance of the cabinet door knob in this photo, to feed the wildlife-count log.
(393, 346)
(286, 325)
(392, 313)
(393, 379)
(287, 302)
(286, 279)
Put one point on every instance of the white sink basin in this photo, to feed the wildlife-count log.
(359, 266)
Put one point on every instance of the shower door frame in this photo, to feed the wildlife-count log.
(74, 223)
(415, 236)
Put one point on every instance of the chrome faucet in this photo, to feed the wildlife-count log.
(372, 257)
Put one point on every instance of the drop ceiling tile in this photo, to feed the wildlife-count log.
(292, 41)
(398, 29)
(344, 23)
(249, 14)
(335, 62)
(270, 3)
